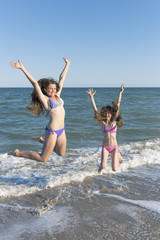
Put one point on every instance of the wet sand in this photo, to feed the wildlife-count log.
(101, 207)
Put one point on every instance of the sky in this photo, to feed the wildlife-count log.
(108, 42)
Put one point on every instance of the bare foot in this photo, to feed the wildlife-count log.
(100, 170)
(14, 153)
(38, 139)
(120, 160)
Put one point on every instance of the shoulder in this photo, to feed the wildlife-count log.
(58, 94)
(45, 102)
(46, 98)
(114, 124)
(61, 100)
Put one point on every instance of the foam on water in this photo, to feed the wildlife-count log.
(20, 176)
(153, 206)
(131, 211)
(53, 221)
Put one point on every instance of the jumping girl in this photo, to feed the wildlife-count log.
(109, 117)
(46, 96)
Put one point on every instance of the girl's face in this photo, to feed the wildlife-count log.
(108, 116)
(51, 90)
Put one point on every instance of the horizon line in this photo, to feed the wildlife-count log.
(95, 87)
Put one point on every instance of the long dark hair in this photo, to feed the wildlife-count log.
(35, 105)
(101, 114)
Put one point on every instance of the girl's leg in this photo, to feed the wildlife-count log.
(49, 144)
(60, 147)
(61, 143)
(115, 159)
(104, 157)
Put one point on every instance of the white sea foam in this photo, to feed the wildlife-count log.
(131, 211)
(20, 176)
(153, 206)
(53, 221)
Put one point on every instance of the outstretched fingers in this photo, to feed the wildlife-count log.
(91, 92)
(13, 64)
(16, 64)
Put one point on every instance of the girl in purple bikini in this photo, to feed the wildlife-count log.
(109, 117)
(46, 96)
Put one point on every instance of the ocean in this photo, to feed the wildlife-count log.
(65, 198)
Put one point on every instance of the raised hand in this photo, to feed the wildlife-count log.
(91, 92)
(122, 88)
(66, 60)
(17, 65)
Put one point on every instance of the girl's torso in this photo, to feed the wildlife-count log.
(109, 132)
(56, 113)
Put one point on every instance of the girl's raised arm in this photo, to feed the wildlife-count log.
(119, 99)
(63, 75)
(35, 84)
(120, 95)
(91, 94)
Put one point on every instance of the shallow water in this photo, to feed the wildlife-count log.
(65, 198)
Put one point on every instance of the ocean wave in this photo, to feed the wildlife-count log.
(22, 176)
(153, 206)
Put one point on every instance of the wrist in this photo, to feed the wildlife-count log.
(68, 63)
(23, 69)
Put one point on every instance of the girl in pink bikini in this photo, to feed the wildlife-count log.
(109, 117)
(46, 96)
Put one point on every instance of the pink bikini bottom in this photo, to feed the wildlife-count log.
(110, 149)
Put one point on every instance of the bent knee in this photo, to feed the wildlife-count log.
(43, 159)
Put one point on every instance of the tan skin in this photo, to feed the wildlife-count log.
(109, 138)
(51, 142)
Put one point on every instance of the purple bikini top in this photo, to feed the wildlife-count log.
(111, 130)
(53, 103)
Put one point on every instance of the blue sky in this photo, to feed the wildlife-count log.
(109, 42)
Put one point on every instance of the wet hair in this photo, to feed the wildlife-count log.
(35, 105)
(101, 114)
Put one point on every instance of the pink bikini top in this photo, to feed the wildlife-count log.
(111, 130)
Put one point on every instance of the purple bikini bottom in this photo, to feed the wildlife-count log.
(58, 132)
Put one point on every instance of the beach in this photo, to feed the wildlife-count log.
(65, 198)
